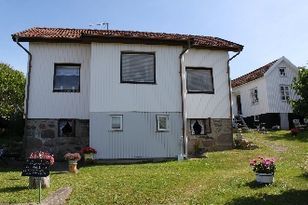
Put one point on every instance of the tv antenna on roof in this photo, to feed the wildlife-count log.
(104, 24)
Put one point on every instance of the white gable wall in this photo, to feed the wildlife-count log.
(108, 94)
(274, 80)
(215, 105)
(248, 109)
(43, 102)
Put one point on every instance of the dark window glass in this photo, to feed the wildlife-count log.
(137, 67)
(200, 126)
(199, 80)
(66, 128)
(66, 78)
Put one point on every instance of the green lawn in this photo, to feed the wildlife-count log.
(222, 178)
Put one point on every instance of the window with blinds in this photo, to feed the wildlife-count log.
(138, 67)
(199, 80)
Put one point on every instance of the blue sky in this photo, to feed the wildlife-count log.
(268, 29)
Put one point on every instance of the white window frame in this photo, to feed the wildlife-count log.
(256, 118)
(254, 98)
(284, 69)
(158, 117)
(121, 122)
(284, 93)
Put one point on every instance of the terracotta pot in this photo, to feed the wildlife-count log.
(72, 166)
(264, 178)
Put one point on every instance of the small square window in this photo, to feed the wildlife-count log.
(200, 126)
(66, 128)
(282, 72)
(66, 78)
(162, 122)
(117, 122)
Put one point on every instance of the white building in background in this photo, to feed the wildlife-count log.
(127, 94)
(262, 95)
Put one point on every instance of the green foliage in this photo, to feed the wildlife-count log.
(12, 91)
(300, 85)
(222, 178)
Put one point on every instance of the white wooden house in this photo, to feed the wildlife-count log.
(127, 94)
(262, 95)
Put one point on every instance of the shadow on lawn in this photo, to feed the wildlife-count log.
(302, 137)
(294, 197)
(255, 185)
(13, 189)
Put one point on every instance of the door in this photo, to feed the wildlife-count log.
(239, 105)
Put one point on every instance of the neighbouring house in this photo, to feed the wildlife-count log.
(128, 94)
(261, 96)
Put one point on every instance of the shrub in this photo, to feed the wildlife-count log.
(294, 131)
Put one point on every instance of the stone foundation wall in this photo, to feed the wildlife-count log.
(220, 137)
(42, 135)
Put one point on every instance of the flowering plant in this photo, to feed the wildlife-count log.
(42, 155)
(263, 165)
(87, 150)
(72, 156)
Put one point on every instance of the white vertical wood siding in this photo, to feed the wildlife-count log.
(107, 94)
(248, 109)
(274, 80)
(43, 102)
(215, 105)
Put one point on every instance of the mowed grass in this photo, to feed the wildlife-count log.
(222, 178)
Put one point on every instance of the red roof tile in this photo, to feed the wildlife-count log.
(90, 35)
(258, 73)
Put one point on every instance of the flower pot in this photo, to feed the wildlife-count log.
(72, 166)
(88, 157)
(264, 178)
(34, 182)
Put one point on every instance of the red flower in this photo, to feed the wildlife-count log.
(42, 155)
(87, 150)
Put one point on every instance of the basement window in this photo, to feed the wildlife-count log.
(254, 96)
(66, 128)
(116, 122)
(66, 78)
(200, 126)
(256, 118)
(162, 122)
(138, 67)
(199, 80)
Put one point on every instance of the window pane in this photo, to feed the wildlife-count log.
(199, 80)
(66, 128)
(138, 68)
(67, 78)
(116, 122)
(162, 123)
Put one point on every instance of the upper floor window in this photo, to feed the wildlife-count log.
(199, 80)
(285, 92)
(66, 78)
(137, 67)
(254, 96)
(282, 71)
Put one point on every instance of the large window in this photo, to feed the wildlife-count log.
(199, 80)
(285, 92)
(66, 78)
(138, 67)
(254, 96)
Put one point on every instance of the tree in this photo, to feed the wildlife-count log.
(300, 85)
(12, 92)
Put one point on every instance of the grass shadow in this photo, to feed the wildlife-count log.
(255, 185)
(302, 137)
(13, 189)
(294, 197)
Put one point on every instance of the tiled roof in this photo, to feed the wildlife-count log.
(258, 73)
(91, 35)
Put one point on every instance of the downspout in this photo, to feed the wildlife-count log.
(183, 99)
(230, 94)
(28, 76)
